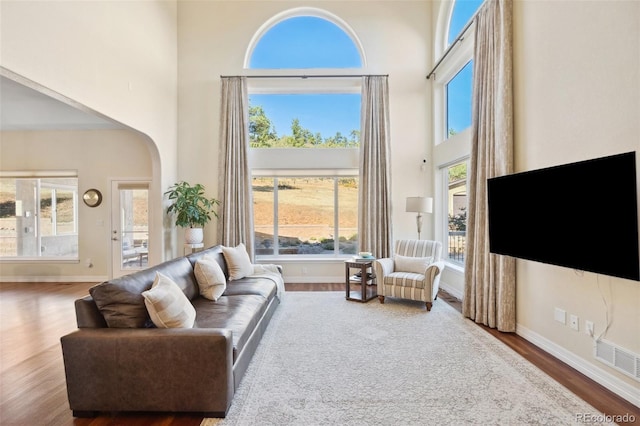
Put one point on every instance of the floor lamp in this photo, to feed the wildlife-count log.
(419, 205)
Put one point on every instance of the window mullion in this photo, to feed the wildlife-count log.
(276, 235)
(336, 217)
(38, 215)
(54, 212)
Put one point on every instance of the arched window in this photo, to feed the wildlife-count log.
(305, 200)
(462, 12)
(305, 42)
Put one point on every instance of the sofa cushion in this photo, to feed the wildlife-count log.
(211, 279)
(120, 300)
(215, 252)
(248, 285)
(167, 305)
(238, 262)
(405, 279)
(417, 265)
(121, 303)
(240, 314)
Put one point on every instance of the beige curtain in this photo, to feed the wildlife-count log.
(489, 294)
(374, 220)
(235, 225)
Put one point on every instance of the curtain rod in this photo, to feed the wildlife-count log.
(308, 76)
(458, 39)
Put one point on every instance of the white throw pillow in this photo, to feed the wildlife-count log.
(167, 305)
(238, 262)
(211, 279)
(417, 265)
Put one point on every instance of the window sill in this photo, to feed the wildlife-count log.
(455, 267)
(38, 260)
(302, 259)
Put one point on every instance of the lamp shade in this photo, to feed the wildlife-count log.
(420, 204)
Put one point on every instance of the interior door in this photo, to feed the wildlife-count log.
(129, 227)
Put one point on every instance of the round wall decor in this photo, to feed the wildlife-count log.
(92, 197)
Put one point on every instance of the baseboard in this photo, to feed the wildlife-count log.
(307, 279)
(614, 384)
(54, 279)
(451, 290)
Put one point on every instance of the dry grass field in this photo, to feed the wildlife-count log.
(306, 208)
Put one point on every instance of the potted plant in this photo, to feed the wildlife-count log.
(191, 208)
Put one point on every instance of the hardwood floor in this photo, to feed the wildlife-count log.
(33, 317)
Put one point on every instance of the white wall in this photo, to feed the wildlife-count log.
(577, 96)
(117, 58)
(213, 40)
(98, 156)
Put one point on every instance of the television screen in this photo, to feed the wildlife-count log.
(581, 215)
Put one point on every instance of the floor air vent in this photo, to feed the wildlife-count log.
(621, 359)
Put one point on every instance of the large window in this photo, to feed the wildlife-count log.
(302, 42)
(309, 120)
(453, 91)
(305, 215)
(459, 100)
(303, 136)
(39, 218)
(456, 190)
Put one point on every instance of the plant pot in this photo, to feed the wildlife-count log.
(193, 235)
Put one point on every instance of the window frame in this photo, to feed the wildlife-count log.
(449, 150)
(444, 171)
(304, 162)
(39, 177)
(336, 220)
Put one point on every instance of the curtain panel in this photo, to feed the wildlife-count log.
(490, 284)
(235, 224)
(374, 200)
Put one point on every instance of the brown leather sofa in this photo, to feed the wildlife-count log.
(138, 368)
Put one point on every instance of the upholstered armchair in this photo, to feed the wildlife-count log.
(413, 272)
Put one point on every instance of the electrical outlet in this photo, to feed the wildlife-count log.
(305, 271)
(560, 315)
(588, 328)
(573, 322)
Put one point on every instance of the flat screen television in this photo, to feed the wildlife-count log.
(582, 215)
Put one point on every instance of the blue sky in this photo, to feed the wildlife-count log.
(310, 42)
(324, 114)
(459, 88)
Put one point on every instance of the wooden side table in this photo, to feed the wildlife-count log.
(367, 280)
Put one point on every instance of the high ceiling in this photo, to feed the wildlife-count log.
(23, 108)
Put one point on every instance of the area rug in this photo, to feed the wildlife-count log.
(328, 361)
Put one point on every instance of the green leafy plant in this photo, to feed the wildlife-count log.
(189, 204)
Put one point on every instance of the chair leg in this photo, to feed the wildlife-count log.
(381, 299)
(429, 304)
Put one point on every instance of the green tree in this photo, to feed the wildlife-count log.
(262, 134)
(458, 172)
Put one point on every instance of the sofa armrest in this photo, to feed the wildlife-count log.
(149, 369)
(381, 267)
(432, 277)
